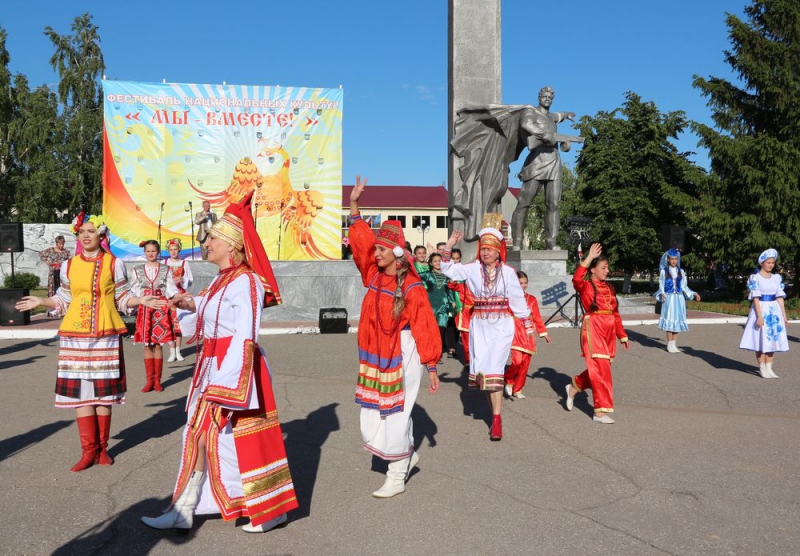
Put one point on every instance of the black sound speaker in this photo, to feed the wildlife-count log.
(9, 316)
(674, 237)
(11, 237)
(333, 320)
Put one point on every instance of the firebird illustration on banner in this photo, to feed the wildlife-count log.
(171, 146)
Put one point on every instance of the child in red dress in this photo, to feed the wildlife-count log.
(523, 346)
(153, 326)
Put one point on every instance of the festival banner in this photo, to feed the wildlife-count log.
(170, 146)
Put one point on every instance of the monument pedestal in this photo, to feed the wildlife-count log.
(547, 279)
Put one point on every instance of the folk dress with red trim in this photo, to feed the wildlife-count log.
(91, 294)
(465, 296)
(600, 329)
(232, 400)
(522, 341)
(491, 328)
(182, 275)
(380, 376)
(153, 326)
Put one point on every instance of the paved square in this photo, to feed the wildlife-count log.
(703, 459)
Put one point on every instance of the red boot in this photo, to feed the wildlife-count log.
(103, 428)
(148, 373)
(87, 428)
(496, 432)
(158, 366)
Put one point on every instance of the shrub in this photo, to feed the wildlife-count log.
(23, 280)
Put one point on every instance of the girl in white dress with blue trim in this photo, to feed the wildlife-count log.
(765, 330)
(672, 288)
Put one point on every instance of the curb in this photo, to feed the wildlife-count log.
(39, 334)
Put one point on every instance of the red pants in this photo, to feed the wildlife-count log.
(517, 372)
(597, 378)
(465, 345)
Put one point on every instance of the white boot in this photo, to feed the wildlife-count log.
(267, 525)
(171, 355)
(396, 477)
(178, 355)
(671, 347)
(181, 515)
(762, 370)
(770, 372)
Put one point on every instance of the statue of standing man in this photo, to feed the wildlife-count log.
(542, 167)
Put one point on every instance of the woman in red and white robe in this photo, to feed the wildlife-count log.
(233, 460)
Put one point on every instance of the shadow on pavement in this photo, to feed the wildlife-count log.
(304, 441)
(644, 340)
(18, 362)
(720, 361)
(558, 383)
(473, 401)
(15, 444)
(124, 533)
(23, 346)
(424, 427)
(167, 420)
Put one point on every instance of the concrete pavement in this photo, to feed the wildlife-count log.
(702, 459)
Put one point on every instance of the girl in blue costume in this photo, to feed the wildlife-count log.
(673, 290)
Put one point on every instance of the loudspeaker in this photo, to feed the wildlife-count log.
(11, 237)
(673, 237)
(9, 316)
(333, 320)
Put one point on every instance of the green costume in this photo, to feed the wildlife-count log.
(440, 296)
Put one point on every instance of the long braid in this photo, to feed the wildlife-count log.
(399, 298)
(593, 306)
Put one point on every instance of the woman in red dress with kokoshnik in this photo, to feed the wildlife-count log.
(91, 365)
(182, 274)
(600, 329)
(153, 326)
(397, 337)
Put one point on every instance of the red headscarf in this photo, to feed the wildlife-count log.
(238, 228)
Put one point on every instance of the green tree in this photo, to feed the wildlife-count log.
(751, 200)
(632, 180)
(7, 115)
(38, 136)
(78, 60)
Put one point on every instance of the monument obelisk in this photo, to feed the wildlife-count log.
(474, 78)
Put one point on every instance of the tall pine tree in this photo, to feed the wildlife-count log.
(78, 60)
(751, 200)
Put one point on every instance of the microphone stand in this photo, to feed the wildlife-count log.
(191, 218)
(280, 230)
(158, 235)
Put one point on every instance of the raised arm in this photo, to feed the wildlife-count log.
(362, 240)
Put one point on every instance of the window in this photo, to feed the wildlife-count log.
(399, 217)
(345, 221)
(441, 222)
(373, 220)
(416, 221)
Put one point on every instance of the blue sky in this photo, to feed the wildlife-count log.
(391, 59)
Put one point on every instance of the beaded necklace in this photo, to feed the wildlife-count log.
(224, 280)
(391, 331)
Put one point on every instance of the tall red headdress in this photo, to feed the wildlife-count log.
(237, 228)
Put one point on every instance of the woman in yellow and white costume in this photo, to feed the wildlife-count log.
(91, 366)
